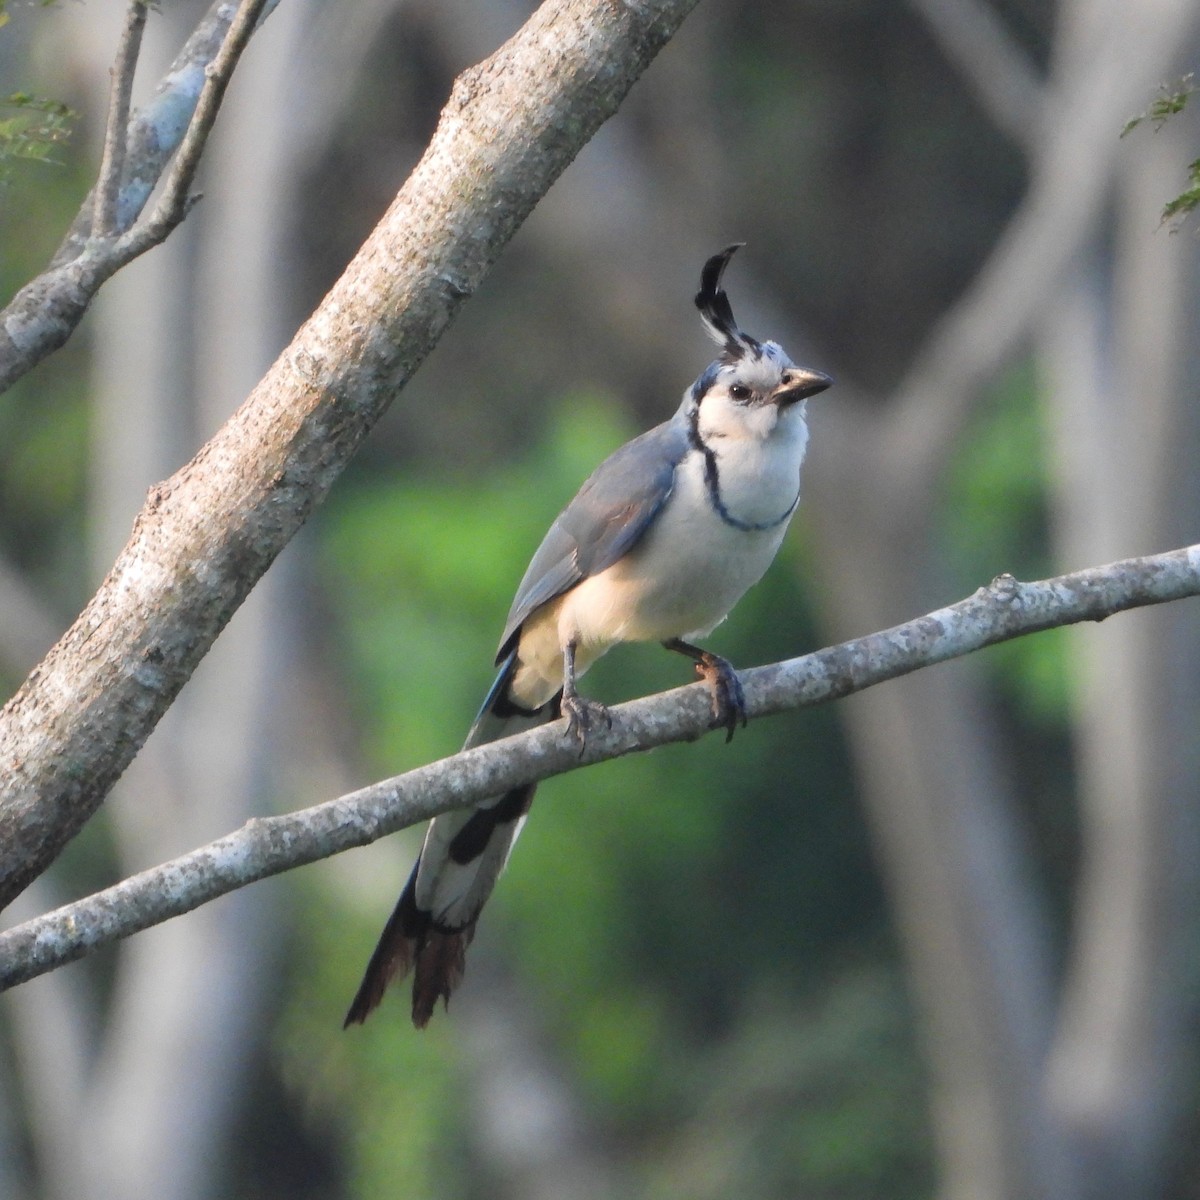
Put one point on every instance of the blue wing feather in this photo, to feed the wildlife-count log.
(611, 511)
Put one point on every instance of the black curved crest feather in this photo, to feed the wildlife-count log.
(715, 310)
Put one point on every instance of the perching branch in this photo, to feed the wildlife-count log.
(206, 536)
(104, 237)
(267, 846)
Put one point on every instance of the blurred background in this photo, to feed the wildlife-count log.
(937, 940)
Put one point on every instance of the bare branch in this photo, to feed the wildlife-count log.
(112, 163)
(43, 314)
(207, 535)
(175, 202)
(267, 846)
(156, 130)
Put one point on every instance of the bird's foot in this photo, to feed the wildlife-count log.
(582, 716)
(728, 698)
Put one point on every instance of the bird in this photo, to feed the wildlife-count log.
(658, 545)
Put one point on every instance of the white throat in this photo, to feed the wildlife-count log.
(756, 461)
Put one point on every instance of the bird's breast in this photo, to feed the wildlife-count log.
(688, 570)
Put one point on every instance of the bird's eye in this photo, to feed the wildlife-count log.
(739, 392)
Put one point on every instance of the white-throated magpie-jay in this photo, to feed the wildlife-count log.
(658, 545)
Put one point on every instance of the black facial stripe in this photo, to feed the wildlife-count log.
(712, 475)
(712, 481)
(694, 439)
(714, 491)
(706, 380)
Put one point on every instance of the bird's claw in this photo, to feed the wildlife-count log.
(728, 698)
(581, 715)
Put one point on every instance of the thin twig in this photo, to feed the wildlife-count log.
(157, 127)
(176, 201)
(268, 846)
(112, 163)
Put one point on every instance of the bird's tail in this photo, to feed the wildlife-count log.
(464, 852)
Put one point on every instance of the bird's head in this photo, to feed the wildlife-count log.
(753, 389)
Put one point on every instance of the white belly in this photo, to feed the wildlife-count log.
(681, 580)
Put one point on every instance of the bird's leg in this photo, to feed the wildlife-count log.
(728, 699)
(579, 711)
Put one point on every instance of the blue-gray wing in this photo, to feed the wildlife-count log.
(615, 506)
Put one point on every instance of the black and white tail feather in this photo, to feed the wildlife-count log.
(462, 857)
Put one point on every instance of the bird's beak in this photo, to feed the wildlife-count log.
(798, 384)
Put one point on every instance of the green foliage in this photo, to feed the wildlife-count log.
(43, 452)
(1172, 100)
(38, 126)
(814, 1103)
(5, 15)
(1188, 199)
(36, 131)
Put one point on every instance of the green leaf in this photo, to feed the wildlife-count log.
(40, 126)
(1171, 100)
(1178, 209)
